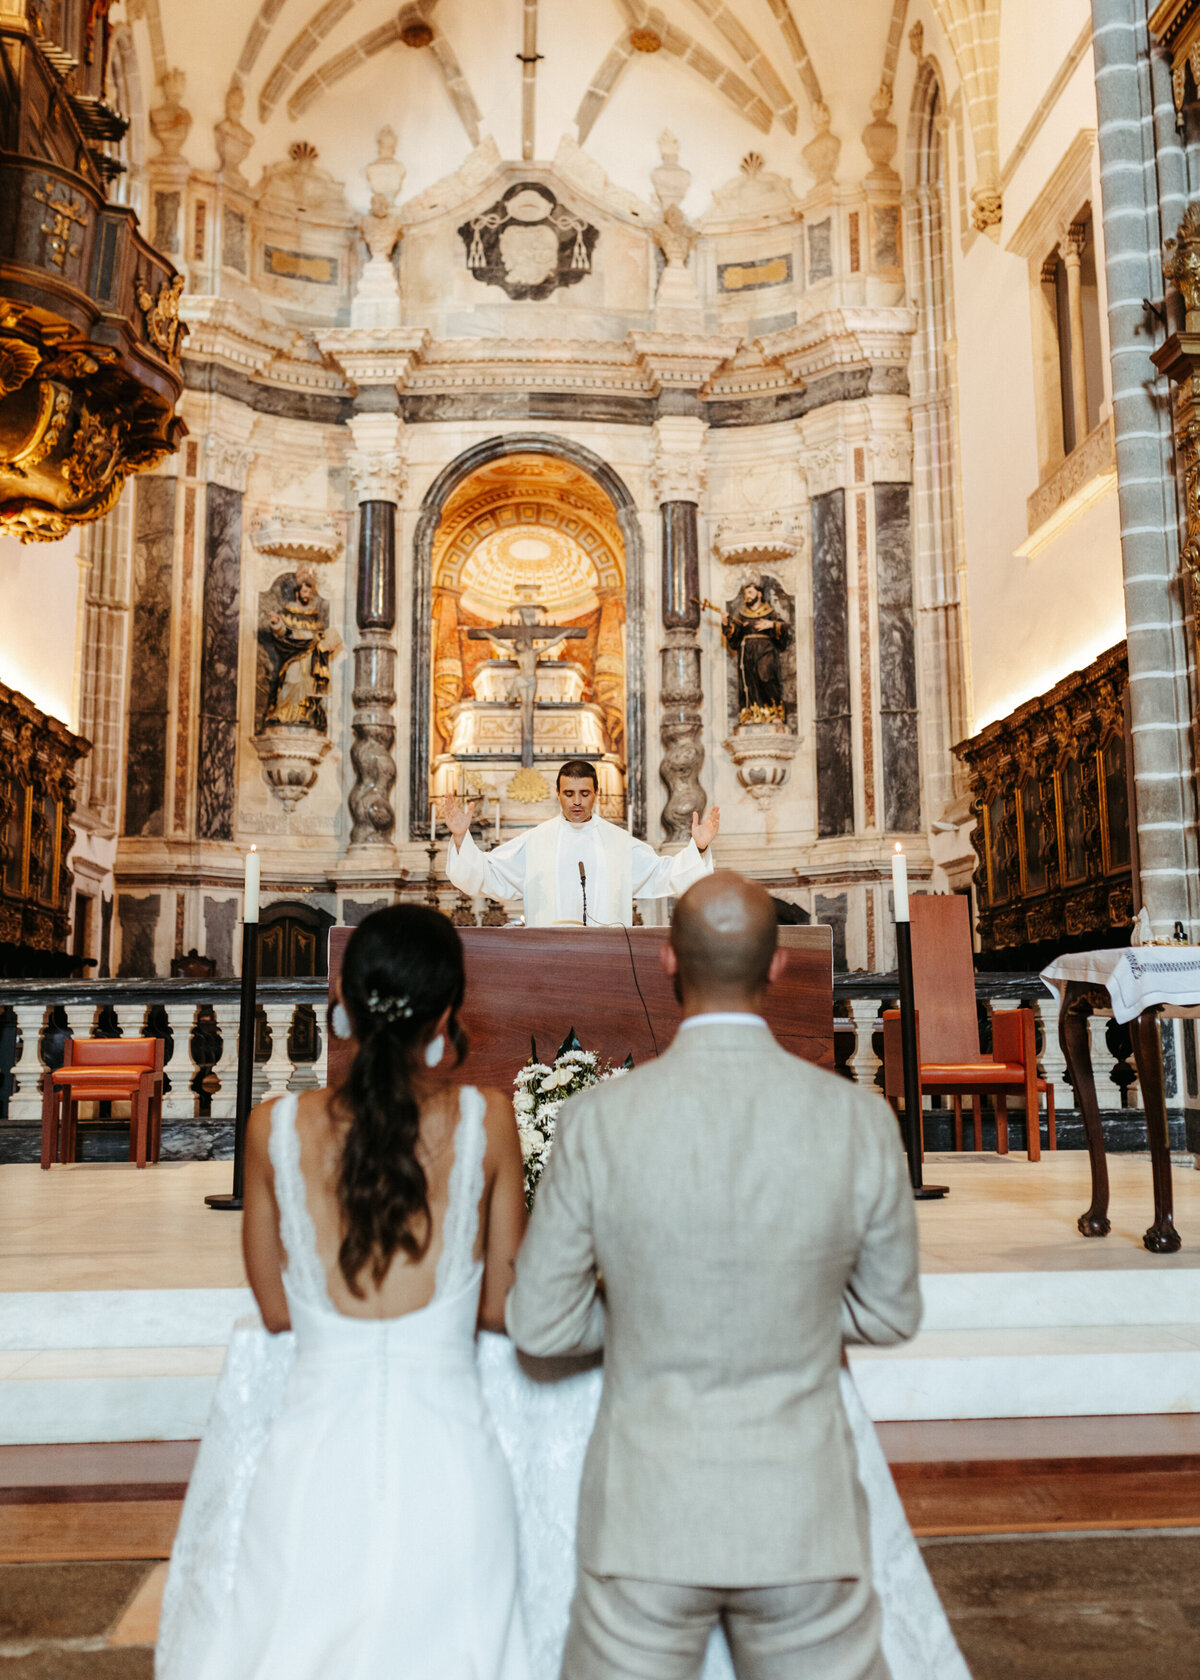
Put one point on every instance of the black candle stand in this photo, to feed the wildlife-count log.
(245, 1069)
(912, 1073)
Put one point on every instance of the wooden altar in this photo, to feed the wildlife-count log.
(541, 982)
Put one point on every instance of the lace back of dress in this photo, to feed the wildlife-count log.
(457, 1259)
(305, 1273)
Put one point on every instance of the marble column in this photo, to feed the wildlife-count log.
(831, 665)
(678, 477)
(376, 468)
(216, 759)
(1070, 249)
(149, 656)
(897, 659)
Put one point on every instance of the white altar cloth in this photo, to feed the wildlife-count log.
(543, 1422)
(1136, 977)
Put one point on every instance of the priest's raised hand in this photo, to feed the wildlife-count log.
(457, 816)
(704, 833)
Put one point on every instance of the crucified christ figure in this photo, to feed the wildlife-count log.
(527, 642)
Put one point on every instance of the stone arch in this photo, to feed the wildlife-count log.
(625, 512)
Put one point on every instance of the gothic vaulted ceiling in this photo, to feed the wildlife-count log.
(724, 75)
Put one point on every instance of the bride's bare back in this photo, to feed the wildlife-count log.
(408, 1284)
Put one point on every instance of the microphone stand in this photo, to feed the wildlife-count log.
(583, 889)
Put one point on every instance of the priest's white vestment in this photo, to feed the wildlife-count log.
(542, 867)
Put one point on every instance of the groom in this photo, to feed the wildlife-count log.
(721, 1221)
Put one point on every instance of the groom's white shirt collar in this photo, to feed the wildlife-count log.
(723, 1018)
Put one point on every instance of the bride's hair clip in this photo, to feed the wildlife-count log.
(390, 1009)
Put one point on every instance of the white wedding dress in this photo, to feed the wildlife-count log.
(377, 1530)
(350, 1516)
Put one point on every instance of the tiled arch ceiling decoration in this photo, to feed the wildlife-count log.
(497, 524)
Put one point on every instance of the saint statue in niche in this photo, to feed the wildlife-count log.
(755, 632)
(298, 637)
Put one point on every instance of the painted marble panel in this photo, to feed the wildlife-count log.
(139, 923)
(220, 919)
(897, 659)
(216, 769)
(820, 251)
(149, 655)
(831, 665)
(831, 912)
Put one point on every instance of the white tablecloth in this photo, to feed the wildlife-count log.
(1136, 977)
(543, 1422)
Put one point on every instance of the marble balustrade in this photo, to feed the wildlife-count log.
(199, 1020)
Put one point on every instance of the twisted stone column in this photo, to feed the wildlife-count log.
(376, 467)
(678, 478)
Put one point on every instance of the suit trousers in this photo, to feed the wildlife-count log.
(623, 1629)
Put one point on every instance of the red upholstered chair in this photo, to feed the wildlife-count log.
(948, 1050)
(105, 1070)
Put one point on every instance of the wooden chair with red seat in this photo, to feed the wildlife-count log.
(105, 1070)
(948, 1052)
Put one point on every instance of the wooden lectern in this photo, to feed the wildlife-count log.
(540, 982)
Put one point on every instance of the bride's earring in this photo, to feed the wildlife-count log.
(340, 1021)
(435, 1050)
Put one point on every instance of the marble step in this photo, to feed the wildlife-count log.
(128, 1365)
(1092, 1370)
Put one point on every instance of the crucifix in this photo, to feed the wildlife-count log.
(516, 641)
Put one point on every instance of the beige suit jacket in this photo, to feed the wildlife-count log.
(748, 1212)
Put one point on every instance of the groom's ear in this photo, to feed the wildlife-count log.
(778, 964)
(668, 959)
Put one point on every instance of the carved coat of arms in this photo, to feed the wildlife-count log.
(528, 243)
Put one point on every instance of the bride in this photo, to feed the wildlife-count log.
(351, 1515)
(381, 1224)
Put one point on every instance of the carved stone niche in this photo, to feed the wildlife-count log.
(763, 739)
(296, 649)
(297, 536)
(757, 539)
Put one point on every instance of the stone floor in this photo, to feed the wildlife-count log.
(1108, 1606)
(1104, 1606)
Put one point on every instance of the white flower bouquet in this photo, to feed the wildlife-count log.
(539, 1091)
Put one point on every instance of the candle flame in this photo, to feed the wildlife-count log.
(899, 847)
(255, 848)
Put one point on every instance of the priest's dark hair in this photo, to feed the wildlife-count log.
(402, 969)
(578, 767)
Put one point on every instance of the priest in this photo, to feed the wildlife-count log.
(575, 867)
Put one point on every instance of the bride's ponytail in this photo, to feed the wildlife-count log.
(402, 969)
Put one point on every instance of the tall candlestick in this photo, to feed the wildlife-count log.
(900, 883)
(253, 877)
(432, 821)
(497, 819)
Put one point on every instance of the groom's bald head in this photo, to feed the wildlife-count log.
(723, 935)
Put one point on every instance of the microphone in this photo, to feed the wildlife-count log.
(583, 889)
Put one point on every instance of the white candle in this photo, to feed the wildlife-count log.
(253, 876)
(432, 820)
(497, 819)
(900, 883)
(629, 813)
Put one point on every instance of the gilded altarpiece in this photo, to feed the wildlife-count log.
(1050, 792)
(38, 755)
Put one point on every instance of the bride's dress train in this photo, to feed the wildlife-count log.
(227, 1553)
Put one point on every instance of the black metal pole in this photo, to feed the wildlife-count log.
(912, 1073)
(245, 1071)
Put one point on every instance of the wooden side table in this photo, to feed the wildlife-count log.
(1137, 985)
